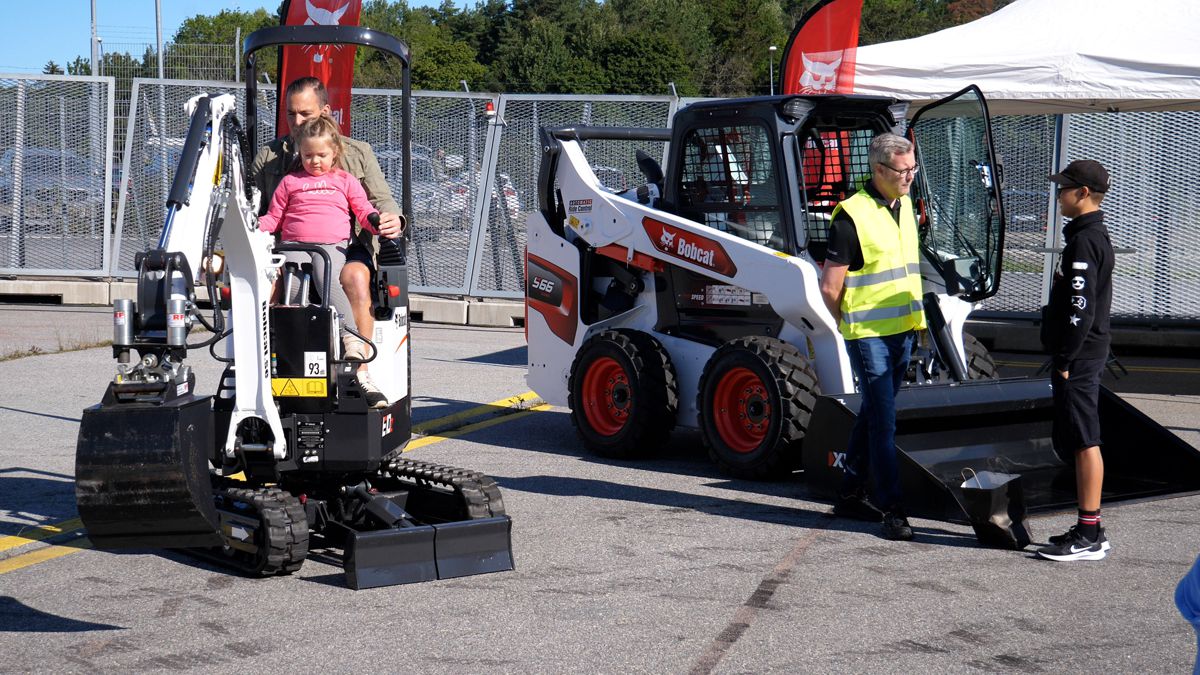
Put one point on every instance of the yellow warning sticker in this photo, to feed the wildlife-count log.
(299, 386)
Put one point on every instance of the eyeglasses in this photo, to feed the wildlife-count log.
(906, 173)
(1062, 188)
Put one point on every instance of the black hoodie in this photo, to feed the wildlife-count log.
(1076, 324)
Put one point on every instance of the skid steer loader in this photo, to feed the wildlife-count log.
(288, 445)
(693, 301)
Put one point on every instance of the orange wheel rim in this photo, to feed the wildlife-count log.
(742, 410)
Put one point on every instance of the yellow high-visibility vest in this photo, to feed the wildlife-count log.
(884, 297)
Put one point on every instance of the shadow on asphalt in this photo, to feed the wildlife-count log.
(16, 617)
(41, 497)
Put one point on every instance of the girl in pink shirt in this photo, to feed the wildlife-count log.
(312, 205)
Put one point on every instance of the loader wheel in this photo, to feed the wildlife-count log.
(755, 401)
(622, 394)
(980, 365)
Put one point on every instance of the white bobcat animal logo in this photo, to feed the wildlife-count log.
(819, 77)
(667, 240)
(323, 17)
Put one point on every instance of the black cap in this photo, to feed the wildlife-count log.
(1083, 173)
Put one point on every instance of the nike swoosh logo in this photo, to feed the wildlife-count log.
(1079, 550)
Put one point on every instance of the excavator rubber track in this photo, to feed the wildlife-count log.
(264, 530)
(478, 494)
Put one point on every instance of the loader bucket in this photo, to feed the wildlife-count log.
(1005, 426)
(141, 475)
(406, 555)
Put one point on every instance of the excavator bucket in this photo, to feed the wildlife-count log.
(1004, 426)
(141, 475)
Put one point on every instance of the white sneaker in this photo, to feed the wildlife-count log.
(375, 398)
(353, 349)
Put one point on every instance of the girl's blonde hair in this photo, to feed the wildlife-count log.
(316, 128)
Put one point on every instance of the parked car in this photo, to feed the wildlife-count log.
(506, 201)
(54, 184)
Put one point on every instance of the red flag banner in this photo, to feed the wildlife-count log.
(820, 56)
(332, 64)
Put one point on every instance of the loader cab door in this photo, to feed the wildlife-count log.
(957, 192)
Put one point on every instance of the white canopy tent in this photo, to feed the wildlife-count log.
(1051, 56)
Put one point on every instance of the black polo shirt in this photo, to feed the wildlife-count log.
(844, 248)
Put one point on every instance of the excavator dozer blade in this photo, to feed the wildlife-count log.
(141, 475)
(1004, 426)
(424, 553)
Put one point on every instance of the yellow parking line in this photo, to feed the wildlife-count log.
(450, 420)
(454, 433)
(42, 555)
(39, 533)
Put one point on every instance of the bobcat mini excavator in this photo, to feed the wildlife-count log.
(694, 301)
(288, 445)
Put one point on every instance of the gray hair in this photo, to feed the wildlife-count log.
(885, 146)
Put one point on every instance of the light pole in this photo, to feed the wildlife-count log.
(771, 67)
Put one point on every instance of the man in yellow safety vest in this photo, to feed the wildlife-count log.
(872, 284)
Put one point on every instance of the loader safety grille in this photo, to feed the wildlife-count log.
(730, 184)
(835, 166)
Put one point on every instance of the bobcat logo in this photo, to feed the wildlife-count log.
(819, 77)
(667, 240)
(323, 17)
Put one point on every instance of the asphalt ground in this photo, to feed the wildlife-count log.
(662, 565)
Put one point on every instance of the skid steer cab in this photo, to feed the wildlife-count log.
(693, 301)
(288, 446)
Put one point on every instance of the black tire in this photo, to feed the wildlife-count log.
(755, 401)
(623, 394)
(980, 365)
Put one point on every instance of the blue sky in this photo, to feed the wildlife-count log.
(60, 30)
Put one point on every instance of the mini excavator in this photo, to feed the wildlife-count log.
(287, 446)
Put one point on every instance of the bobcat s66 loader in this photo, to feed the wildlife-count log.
(694, 301)
(288, 445)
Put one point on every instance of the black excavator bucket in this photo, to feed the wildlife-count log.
(412, 554)
(141, 475)
(1004, 426)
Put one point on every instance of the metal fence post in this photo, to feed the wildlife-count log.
(484, 202)
(16, 252)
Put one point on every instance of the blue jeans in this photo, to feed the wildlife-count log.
(880, 364)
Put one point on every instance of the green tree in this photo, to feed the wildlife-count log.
(890, 20)
(742, 31)
(221, 28)
(536, 56)
(52, 68)
(643, 63)
(80, 66)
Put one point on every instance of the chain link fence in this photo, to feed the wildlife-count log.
(515, 153)
(474, 182)
(1025, 146)
(156, 127)
(127, 61)
(56, 182)
(1149, 211)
